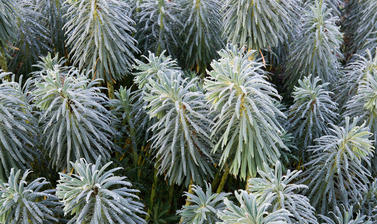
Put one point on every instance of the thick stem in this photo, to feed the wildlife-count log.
(248, 178)
(223, 179)
(139, 164)
(153, 193)
(216, 180)
(3, 60)
(135, 153)
(188, 202)
(171, 196)
(247, 183)
(110, 89)
(3, 176)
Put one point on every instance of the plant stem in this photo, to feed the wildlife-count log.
(248, 178)
(139, 164)
(188, 202)
(223, 179)
(216, 180)
(171, 195)
(135, 153)
(3, 60)
(247, 183)
(153, 193)
(110, 89)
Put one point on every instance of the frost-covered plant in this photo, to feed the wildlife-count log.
(99, 33)
(336, 7)
(283, 193)
(93, 194)
(289, 154)
(158, 26)
(75, 121)
(201, 33)
(339, 166)
(17, 126)
(257, 24)
(246, 121)
(312, 111)
(53, 11)
(50, 63)
(32, 38)
(7, 23)
(364, 103)
(181, 133)
(132, 120)
(317, 48)
(368, 205)
(153, 66)
(345, 216)
(251, 210)
(203, 206)
(366, 25)
(23, 202)
(355, 72)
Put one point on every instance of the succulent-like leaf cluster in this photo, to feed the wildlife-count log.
(189, 112)
(75, 121)
(368, 205)
(257, 24)
(246, 121)
(345, 216)
(153, 66)
(336, 6)
(50, 63)
(181, 134)
(32, 37)
(339, 166)
(251, 210)
(158, 26)
(283, 193)
(23, 202)
(53, 11)
(364, 103)
(317, 48)
(366, 25)
(349, 25)
(312, 111)
(93, 194)
(203, 207)
(7, 23)
(202, 31)
(133, 121)
(355, 72)
(17, 126)
(99, 35)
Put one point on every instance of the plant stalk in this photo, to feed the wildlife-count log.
(223, 179)
(188, 202)
(153, 193)
(171, 196)
(110, 89)
(3, 60)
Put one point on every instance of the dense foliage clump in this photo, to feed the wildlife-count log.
(151, 111)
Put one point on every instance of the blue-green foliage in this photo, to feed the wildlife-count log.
(94, 194)
(312, 112)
